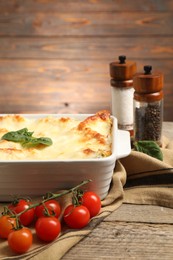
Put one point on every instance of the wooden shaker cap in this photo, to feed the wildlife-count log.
(122, 69)
(152, 97)
(147, 82)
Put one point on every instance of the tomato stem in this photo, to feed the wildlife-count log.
(76, 197)
(54, 196)
(18, 224)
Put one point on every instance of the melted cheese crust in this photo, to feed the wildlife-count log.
(72, 138)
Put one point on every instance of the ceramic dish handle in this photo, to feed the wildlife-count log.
(123, 147)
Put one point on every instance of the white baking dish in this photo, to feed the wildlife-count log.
(35, 178)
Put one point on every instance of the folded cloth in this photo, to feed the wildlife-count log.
(149, 180)
(137, 179)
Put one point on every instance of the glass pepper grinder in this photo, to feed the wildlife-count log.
(122, 72)
(148, 105)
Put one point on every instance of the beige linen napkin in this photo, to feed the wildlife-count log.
(137, 179)
(149, 181)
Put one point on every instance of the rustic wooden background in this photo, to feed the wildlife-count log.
(55, 54)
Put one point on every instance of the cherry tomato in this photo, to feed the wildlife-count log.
(6, 225)
(20, 205)
(92, 201)
(53, 207)
(47, 228)
(20, 240)
(76, 216)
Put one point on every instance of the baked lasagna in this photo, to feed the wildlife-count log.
(70, 137)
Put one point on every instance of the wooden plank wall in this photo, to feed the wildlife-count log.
(55, 54)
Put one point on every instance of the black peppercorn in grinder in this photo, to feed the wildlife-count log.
(148, 105)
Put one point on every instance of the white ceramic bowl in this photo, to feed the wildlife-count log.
(35, 178)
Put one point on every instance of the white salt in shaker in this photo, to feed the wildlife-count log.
(122, 91)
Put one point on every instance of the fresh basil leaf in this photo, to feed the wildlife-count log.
(44, 140)
(26, 139)
(16, 136)
(149, 147)
(36, 141)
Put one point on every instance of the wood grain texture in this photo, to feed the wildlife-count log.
(96, 48)
(54, 56)
(131, 232)
(127, 240)
(87, 24)
(142, 214)
(20, 6)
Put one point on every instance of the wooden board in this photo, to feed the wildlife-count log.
(131, 232)
(19, 6)
(96, 48)
(55, 55)
(87, 24)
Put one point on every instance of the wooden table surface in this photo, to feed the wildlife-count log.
(130, 232)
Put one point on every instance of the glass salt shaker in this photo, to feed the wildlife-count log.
(122, 91)
(148, 105)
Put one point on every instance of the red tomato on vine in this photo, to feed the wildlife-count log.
(76, 216)
(47, 228)
(92, 201)
(20, 205)
(52, 206)
(6, 225)
(20, 240)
